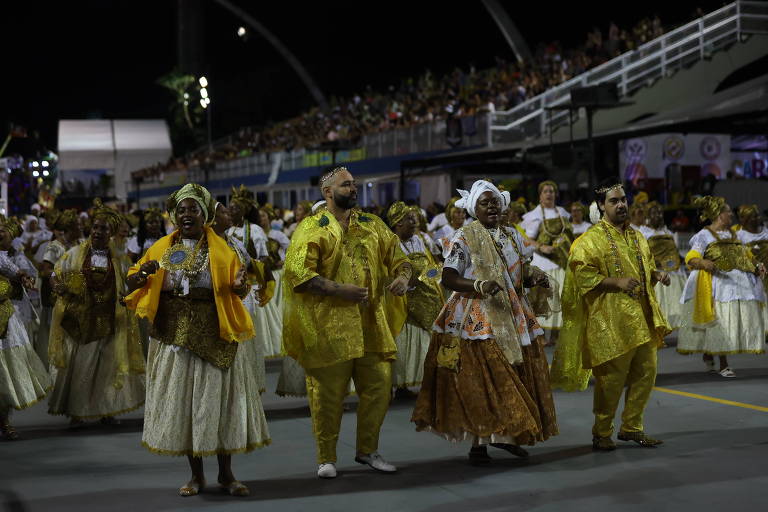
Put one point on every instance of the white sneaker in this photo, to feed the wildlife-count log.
(375, 461)
(326, 470)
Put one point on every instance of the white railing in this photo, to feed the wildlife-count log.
(633, 70)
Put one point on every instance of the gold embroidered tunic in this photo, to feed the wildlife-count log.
(601, 326)
(321, 331)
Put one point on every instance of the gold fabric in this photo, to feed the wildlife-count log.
(89, 316)
(558, 233)
(328, 386)
(321, 331)
(397, 212)
(235, 324)
(425, 300)
(636, 371)
(6, 306)
(192, 322)
(491, 266)
(601, 326)
(710, 206)
(729, 254)
(759, 249)
(128, 354)
(664, 251)
(487, 396)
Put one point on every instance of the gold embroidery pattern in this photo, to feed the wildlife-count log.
(192, 322)
(558, 233)
(729, 254)
(664, 251)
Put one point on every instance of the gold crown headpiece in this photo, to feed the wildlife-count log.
(330, 174)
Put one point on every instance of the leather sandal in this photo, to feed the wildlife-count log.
(603, 444)
(191, 488)
(640, 438)
(235, 488)
(8, 432)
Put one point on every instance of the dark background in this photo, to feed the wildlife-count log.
(101, 59)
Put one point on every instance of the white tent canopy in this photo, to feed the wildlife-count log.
(117, 146)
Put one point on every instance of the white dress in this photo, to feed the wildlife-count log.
(580, 228)
(413, 341)
(24, 379)
(132, 245)
(193, 407)
(669, 296)
(86, 389)
(750, 240)
(268, 320)
(739, 300)
(531, 223)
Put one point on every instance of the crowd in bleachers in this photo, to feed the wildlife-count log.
(462, 93)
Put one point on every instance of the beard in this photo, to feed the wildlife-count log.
(345, 202)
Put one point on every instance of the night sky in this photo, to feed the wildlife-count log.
(101, 59)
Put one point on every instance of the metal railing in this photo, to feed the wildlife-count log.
(675, 50)
(414, 139)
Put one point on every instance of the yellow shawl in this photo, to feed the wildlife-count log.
(235, 323)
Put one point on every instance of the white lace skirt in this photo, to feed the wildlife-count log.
(24, 380)
(292, 380)
(194, 408)
(268, 321)
(86, 390)
(412, 347)
(555, 320)
(737, 329)
(255, 348)
(669, 299)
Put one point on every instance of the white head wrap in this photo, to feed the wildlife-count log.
(317, 206)
(469, 199)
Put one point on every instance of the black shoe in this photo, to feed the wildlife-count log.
(603, 444)
(478, 456)
(640, 438)
(512, 448)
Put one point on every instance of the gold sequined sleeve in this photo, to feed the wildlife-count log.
(586, 271)
(301, 259)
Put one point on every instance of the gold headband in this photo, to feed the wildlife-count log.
(113, 218)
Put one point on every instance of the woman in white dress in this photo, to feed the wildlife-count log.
(456, 219)
(94, 341)
(579, 215)
(754, 235)
(666, 254)
(548, 225)
(425, 299)
(202, 397)
(151, 229)
(24, 380)
(723, 296)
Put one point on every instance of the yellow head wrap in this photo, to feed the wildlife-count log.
(12, 225)
(710, 206)
(192, 191)
(397, 212)
(244, 198)
(748, 210)
(113, 218)
(151, 213)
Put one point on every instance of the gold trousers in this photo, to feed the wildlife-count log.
(635, 370)
(326, 389)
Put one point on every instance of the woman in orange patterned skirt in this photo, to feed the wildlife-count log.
(486, 376)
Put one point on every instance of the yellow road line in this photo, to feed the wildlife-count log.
(712, 399)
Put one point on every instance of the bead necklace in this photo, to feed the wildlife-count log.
(634, 293)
